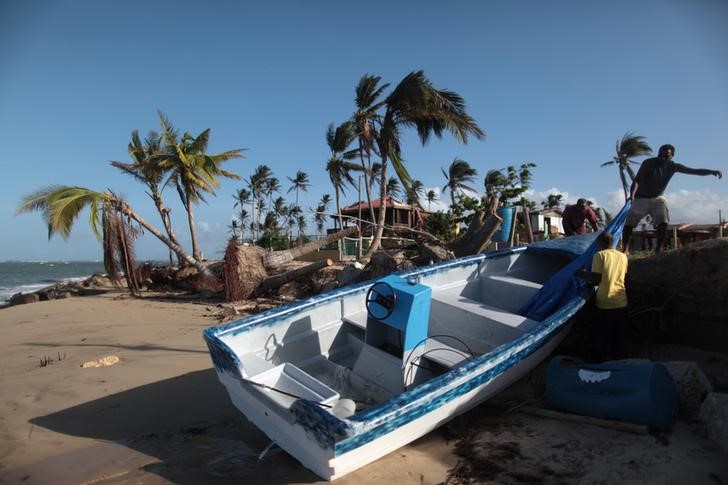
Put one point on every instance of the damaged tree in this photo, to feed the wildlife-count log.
(249, 270)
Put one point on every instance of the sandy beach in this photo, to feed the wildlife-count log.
(159, 415)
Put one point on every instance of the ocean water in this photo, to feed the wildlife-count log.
(26, 277)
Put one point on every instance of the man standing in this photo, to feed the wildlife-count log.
(574, 216)
(609, 268)
(647, 191)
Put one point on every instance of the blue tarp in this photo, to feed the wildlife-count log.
(562, 286)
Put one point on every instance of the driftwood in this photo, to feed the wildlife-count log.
(281, 279)
(276, 259)
(577, 418)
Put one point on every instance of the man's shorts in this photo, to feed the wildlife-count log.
(656, 207)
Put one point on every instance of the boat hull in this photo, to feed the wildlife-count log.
(330, 446)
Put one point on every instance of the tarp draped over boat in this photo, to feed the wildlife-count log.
(564, 285)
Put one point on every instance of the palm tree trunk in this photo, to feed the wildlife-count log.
(126, 210)
(164, 215)
(367, 184)
(624, 183)
(275, 259)
(377, 241)
(338, 209)
(193, 234)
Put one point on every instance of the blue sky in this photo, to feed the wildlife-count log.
(554, 83)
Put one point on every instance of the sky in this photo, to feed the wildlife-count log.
(553, 83)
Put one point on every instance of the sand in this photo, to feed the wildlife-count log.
(159, 415)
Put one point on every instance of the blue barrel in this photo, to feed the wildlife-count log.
(508, 215)
(639, 393)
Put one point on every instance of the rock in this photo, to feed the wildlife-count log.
(98, 280)
(714, 413)
(692, 386)
(23, 298)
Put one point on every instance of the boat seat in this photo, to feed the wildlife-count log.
(507, 292)
(452, 314)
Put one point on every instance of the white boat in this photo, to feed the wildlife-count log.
(343, 378)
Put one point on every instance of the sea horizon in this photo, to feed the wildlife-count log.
(17, 276)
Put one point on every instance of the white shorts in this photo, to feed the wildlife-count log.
(655, 207)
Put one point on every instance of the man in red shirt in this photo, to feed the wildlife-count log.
(574, 217)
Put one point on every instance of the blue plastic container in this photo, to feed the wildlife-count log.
(639, 393)
(507, 214)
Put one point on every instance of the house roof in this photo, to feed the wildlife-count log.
(376, 203)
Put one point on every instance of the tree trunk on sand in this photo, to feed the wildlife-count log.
(276, 259)
(281, 279)
(174, 247)
(377, 239)
(243, 270)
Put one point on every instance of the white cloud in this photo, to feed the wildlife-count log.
(696, 206)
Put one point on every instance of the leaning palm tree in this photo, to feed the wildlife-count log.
(61, 205)
(339, 167)
(145, 169)
(628, 147)
(431, 197)
(192, 171)
(365, 119)
(414, 102)
(299, 182)
(393, 187)
(458, 176)
(416, 192)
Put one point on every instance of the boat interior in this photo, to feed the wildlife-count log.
(406, 332)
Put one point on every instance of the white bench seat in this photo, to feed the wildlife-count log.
(473, 321)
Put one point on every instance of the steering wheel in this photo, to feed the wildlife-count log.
(380, 300)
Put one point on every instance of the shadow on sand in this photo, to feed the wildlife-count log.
(189, 425)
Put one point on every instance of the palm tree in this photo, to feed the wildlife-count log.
(553, 201)
(192, 170)
(145, 169)
(365, 119)
(299, 182)
(431, 197)
(243, 218)
(458, 176)
(393, 187)
(258, 184)
(272, 186)
(628, 147)
(416, 192)
(302, 224)
(320, 213)
(61, 205)
(338, 166)
(416, 103)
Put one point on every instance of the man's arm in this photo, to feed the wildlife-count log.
(593, 219)
(697, 171)
(637, 178)
(589, 276)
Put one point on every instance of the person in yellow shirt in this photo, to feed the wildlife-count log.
(608, 271)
